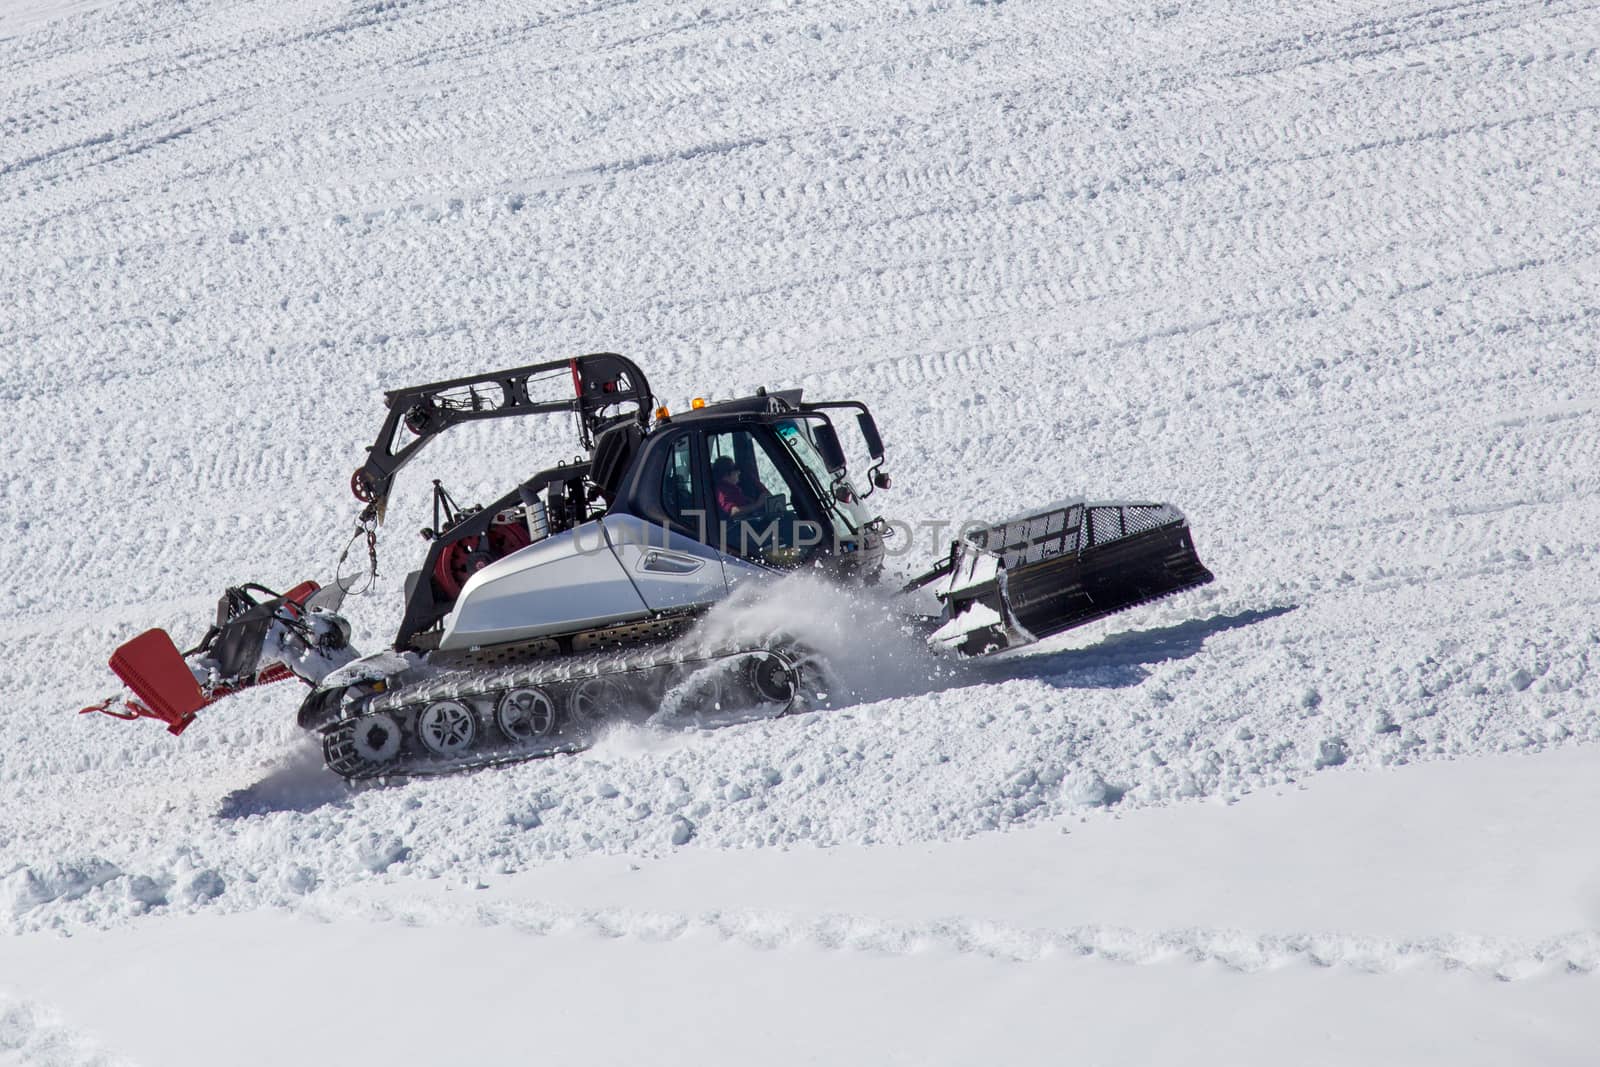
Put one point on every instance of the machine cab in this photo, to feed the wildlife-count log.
(759, 480)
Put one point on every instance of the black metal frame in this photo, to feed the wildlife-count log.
(235, 642)
(1057, 572)
(601, 382)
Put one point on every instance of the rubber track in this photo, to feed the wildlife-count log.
(469, 685)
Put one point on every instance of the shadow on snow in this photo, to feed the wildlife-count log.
(1117, 662)
(1120, 660)
(300, 783)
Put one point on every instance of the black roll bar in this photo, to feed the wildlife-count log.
(601, 381)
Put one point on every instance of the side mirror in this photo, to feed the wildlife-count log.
(869, 430)
(828, 446)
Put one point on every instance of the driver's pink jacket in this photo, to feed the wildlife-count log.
(730, 497)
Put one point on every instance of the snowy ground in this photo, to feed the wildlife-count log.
(1325, 276)
(1326, 924)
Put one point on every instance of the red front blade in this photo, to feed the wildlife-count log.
(153, 668)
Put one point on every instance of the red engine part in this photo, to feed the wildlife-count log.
(463, 558)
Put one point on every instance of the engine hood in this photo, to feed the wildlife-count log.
(569, 582)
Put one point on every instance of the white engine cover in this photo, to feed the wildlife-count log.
(670, 571)
(572, 581)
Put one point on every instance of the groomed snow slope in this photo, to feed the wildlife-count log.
(1121, 940)
(1325, 277)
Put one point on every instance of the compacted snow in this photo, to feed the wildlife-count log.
(1327, 277)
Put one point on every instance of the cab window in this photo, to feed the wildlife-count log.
(849, 514)
(755, 504)
(677, 487)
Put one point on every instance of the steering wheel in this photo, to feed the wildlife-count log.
(772, 507)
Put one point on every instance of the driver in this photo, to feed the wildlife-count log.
(731, 497)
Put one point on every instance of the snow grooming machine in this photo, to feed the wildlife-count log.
(574, 597)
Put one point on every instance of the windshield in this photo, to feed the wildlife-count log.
(796, 437)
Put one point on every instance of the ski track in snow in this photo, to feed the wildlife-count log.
(1327, 278)
(1503, 959)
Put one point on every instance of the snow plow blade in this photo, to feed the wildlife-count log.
(1036, 575)
(154, 669)
(167, 685)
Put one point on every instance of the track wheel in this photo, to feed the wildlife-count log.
(816, 684)
(525, 713)
(447, 727)
(376, 738)
(591, 700)
(774, 679)
(700, 690)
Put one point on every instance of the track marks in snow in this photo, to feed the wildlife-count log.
(1502, 959)
(1289, 268)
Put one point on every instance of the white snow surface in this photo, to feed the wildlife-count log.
(1325, 276)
